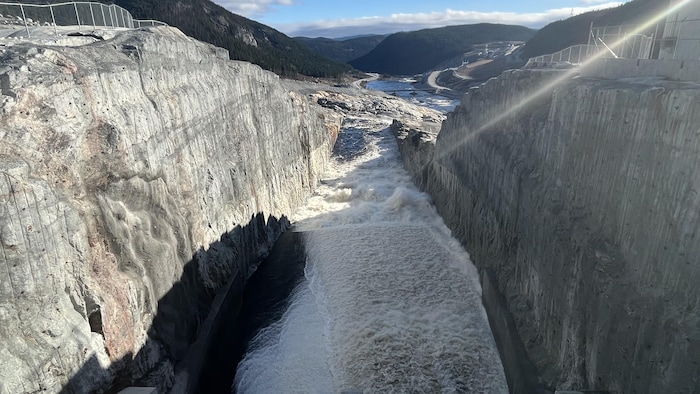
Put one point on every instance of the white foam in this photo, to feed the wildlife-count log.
(289, 356)
(393, 299)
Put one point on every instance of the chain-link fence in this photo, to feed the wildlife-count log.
(79, 14)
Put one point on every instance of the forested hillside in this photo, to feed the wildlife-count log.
(342, 50)
(419, 51)
(575, 30)
(245, 39)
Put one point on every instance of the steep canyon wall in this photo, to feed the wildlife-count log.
(139, 175)
(584, 202)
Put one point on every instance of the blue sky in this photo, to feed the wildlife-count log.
(326, 18)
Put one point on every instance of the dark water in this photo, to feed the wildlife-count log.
(268, 292)
(265, 299)
(351, 143)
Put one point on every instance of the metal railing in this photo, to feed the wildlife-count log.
(628, 43)
(633, 45)
(148, 22)
(78, 13)
(574, 55)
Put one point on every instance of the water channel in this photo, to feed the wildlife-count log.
(382, 299)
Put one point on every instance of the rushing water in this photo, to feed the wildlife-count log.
(405, 89)
(389, 301)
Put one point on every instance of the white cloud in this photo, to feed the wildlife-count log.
(251, 8)
(593, 1)
(407, 22)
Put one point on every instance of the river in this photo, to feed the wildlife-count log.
(406, 89)
(387, 300)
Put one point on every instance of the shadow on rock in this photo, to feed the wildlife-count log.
(187, 325)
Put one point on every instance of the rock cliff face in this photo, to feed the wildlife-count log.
(138, 175)
(585, 203)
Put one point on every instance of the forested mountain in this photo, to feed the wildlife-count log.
(575, 30)
(342, 50)
(419, 51)
(245, 39)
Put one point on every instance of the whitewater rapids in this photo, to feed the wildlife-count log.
(390, 301)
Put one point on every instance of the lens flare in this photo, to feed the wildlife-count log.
(549, 86)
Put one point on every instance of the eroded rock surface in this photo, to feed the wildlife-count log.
(585, 202)
(131, 167)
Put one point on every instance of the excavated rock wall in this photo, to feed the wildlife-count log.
(138, 175)
(585, 203)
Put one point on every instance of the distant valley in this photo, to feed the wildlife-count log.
(403, 53)
(420, 51)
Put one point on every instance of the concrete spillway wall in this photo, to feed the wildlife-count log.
(585, 204)
(138, 176)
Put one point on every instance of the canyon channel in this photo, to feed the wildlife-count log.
(387, 301)
(145, 176)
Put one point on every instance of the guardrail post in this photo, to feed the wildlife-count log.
(104, 20)
(92, 14)
(121, 11)
(24, 19)
(53, 19)
(111, 18)
(654, 37)
(678, 39)
(579, 54)
(619, 32)
(77, 16)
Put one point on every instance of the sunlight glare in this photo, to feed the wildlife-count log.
(549, 86)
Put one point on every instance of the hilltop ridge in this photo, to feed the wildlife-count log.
(419, 51)
(245, 39)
